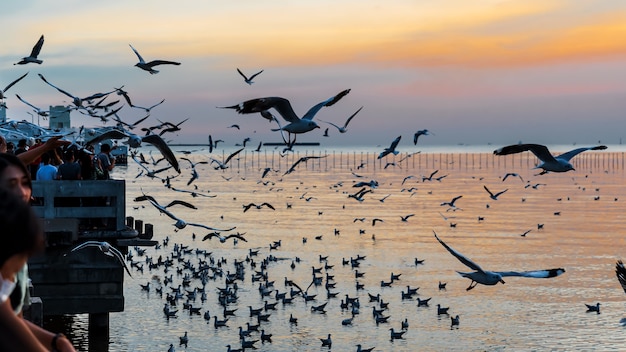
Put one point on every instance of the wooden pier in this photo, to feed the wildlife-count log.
(85, 281)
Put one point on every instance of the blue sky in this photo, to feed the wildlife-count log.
(496, 72)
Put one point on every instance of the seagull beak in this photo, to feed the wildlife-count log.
(502, 281)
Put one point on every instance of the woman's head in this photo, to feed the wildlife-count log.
(22, 235)
(15, 177)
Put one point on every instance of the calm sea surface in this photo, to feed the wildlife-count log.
(583, 219)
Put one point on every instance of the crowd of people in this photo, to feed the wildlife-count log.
(23, 234)
(62, 163)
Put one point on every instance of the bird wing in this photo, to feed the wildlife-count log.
(27, 103)
(572, 153)
(540, 151)
(165, 150)
(120, 258)
(242, 75)
(232, 155)
(488, 191)
(161, 62)
(620, 271)
(330, 123)
(211, 228)
(181, 202)
(328, 102)
(254, 75)
(85, 245)
(345, 125)
(12, 83)
(55, 87)
(37, 48)
(394, 144)
(460, 256)
(110, 134)
(538, 274)
(138, 56)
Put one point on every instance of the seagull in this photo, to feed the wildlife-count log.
(302, 159)
(344, 128)
(248, 80)
(548, 161)
(107, 249)
(418, 134)
(135, 141)
(484, 277)
(492, 195)
(194, 173)
(32, 58)
(283, 106)
(451, 203)
(3, 92)
(248, 206)
(148, 66)
(224, 238)
(391, 149)
(224, 165)
(180, 223)
(39, 112)
(78, 102)
(511, 174)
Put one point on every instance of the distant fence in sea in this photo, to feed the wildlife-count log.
(368, 161)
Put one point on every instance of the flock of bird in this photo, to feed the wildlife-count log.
(200, 274)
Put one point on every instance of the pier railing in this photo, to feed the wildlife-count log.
(369, 162)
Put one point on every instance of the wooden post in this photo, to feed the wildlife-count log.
(139, 226)
(148, 232)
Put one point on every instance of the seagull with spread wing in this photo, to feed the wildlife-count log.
(148, 66)
(480, 276)
(32, 58)
(248, 79)
(77, 101)
(492, 195)
(344, 128)
(296, 124)
(180, 223)
(548, 162)
(107, 249)
(301, 160)
(391, 149)
(134, 141)
(224, 165)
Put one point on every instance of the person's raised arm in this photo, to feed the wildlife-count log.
(32, 154)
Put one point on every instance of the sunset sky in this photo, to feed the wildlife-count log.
(471, 72)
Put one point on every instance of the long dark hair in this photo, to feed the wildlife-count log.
(7, 160)
(21, 229)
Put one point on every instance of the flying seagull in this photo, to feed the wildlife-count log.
(32, 58)
(77, 101)
(224, 238)
(344, 128)
(492, 195)
(484, 277)
(39, 112)
(418, 134)
(180, 223)
(283, 106)
(107, 249)
(391, 148)
(148, 66)
(548, 161)
(134, 141)
(224, 165)
(248, 79)
(302, 159)
(2, 92)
